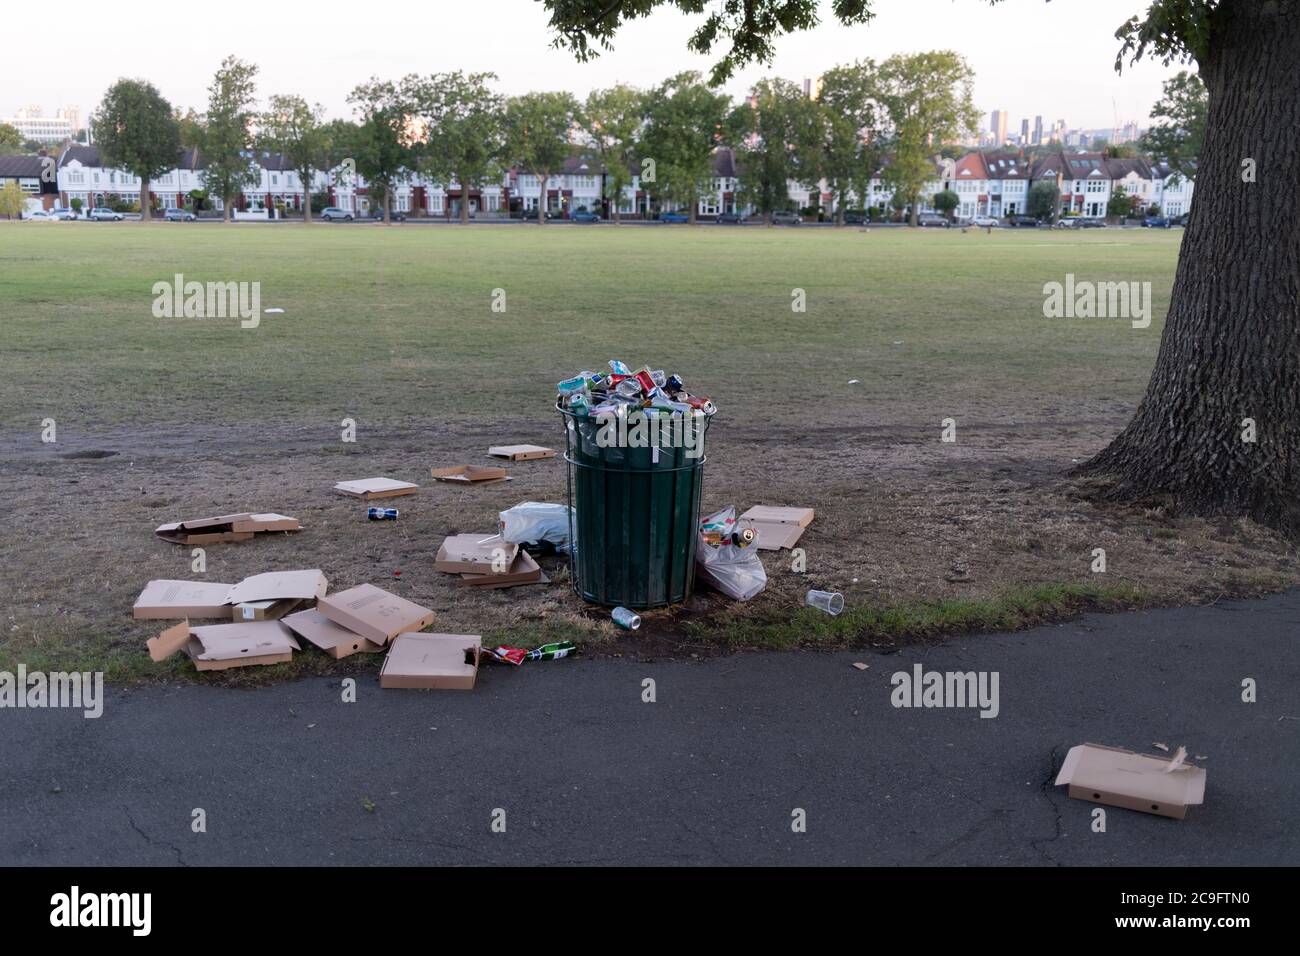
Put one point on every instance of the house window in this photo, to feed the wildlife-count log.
(709, 206)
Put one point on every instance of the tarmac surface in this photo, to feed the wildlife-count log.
(566, 763)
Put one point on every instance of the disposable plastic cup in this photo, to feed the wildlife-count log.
(832, 602)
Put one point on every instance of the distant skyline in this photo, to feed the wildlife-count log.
(1030, 57)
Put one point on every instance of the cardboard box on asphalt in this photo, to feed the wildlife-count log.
(164, 600)
(777, 527)
(521, 452)
(334, 639)
(1122, 778)
(371, 488)
(524, 570)
(432, 661)
(470, 474)
(374, 613)
(217, 647)
(279, 585)
(475, 554)
(263, 610)
(237, 527)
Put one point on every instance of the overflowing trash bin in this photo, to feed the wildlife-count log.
(634, 447)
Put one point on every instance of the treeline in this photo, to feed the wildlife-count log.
(456, 127)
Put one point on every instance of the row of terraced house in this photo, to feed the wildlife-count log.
(987, 183)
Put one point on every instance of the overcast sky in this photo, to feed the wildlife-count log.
(1030, 57)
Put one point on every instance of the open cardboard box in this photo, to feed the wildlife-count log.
(334, 639)
(164, 600)
(263, 610)
(524, 570)
(474, 554)
(432, 661)
(237, 527)
(173, 600)
(777, 527)
(1123, 778)
(371, 488)
(470, 474)
(520, 452)
(278, 585)
(217, 647)
(374, 613)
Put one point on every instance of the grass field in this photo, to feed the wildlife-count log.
(163, 419)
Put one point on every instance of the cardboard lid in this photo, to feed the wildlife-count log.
(169, 641)
(433, 656)
(524, 570)
(375, 487)
(520, 452)
(470, 474)
(191, 596)
(474, 553)
(1112, 771)
(311, 625)
(266, 522)
(374, 613)
(274, 585)
(772, 515)
(223, 642)
(194, 524)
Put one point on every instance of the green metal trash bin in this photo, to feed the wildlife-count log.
(633, 516)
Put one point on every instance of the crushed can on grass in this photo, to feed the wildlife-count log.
(628, 620)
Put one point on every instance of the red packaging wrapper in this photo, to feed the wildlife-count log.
(508, 655)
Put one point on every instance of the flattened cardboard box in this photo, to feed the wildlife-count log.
(279, 585)
(524, 570)
(237, 527)
(475, 554)
(164, 600)
(1122, 778)
(374, 613)
(432, 661)
(217, 647)
(521, 452)
(777, 527)
(334, 639)
(263, 610)
(470, 474)
(371, 488)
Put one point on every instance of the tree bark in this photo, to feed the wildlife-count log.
(144, 199)
(464, 201)
(541, 198)
(306, 195)
(1231, 344)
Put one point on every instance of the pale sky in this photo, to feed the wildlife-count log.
(1030, 57)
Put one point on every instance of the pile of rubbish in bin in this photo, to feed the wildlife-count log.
(606, 393)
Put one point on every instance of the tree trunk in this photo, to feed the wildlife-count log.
(541, 199)
(144, 199)
(464, 201)
(306, 195)
(695, 205)
(1231, 344)
(388, 205)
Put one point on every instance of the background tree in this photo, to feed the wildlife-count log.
(135, 130)
(11, 141)
(1121, 204)
(227, 137)
(379, 144)
(850, 150)
(190, 124)
(1178, 129)
(537, 131)
(463, 129)
(777, 137)
(296, 130)
(946, 201)
(684, 121)
(12, 200)
(612, 120)
(926, 98)
(1043, 201)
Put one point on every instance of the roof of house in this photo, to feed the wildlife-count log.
(21, 167)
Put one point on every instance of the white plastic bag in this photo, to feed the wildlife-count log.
(535, 521)
(735, 571)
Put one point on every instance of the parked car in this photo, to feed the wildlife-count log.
(1156, 222)
(40, 215)
(1180, 220)
(1022, 222)
(1067, 222)
(933, 220)
(335, 214)
(101, 214)
(394, 216)
(179, 215)
(64, 215)
(985, 222)
(1091, 223)
(585, 215)
(730, 219)
(674, 217)
(785, 219)
(856, 217)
